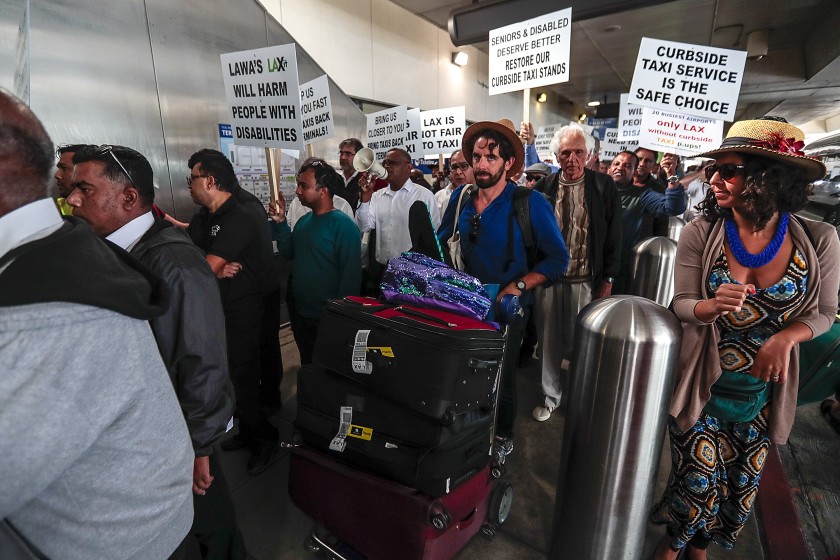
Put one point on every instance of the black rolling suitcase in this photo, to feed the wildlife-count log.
(435, 362)
(387, 438)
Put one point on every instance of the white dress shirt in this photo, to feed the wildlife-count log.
(30, 222)
(127, 236)
(442, 197)
(387, 213)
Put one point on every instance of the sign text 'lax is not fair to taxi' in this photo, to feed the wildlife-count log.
(530, 53)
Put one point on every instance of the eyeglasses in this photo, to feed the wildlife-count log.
(191, 178)
(475, 223)
(727, 170)
(529, 177)
(105, 149)
(393, 162)
(346, 153)
(462, 166)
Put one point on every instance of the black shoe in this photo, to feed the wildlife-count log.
(261, 457)
(237, 442)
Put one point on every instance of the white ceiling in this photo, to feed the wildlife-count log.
(799, 79)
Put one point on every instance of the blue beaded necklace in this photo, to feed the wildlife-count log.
(748, 259)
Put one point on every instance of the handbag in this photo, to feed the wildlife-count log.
(737, 397)
(418, 280)
(454, 242)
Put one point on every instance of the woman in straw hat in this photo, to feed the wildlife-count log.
(752, 282)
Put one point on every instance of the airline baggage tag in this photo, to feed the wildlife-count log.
(346, 418)
(359, 363)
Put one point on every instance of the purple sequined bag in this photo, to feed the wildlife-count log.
(418, 280)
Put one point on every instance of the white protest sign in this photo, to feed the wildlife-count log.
(414, 127)
(629, 120)
(442, 130)
(262, 91)
(530, 53)
(610, 146)
(386, 130)
(542, 140)
(689, 79)
(316, 110)
(684, 135)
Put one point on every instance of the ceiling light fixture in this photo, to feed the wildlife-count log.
(582, 117)
(542, 97)
(460, 58)
(593, 103)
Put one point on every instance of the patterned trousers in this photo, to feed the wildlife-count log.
(715, 470)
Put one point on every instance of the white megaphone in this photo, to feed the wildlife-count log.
(365, 161)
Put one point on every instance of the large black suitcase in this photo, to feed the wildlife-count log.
(380, 440)
(437, 363)
(323, 391)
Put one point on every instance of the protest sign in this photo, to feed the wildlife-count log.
(684, 135)
(261, 87)
(386, 130)
(414, 127)
(442, 130)
(316, 110)
(629, 120)
(530, 53)
(542, 140)
(688, 79)
(611, 146)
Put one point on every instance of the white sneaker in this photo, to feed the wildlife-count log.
(542, 413)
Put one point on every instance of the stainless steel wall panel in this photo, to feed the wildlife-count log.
(187, 39)
(93, 78)
(348, 119)
(14, 47)
(145, 74)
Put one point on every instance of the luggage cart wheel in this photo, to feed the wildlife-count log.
(500, 502)
(440, 521)
(497, 471)
(488, 531)
(311, 545)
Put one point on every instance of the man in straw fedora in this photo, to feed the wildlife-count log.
(492, 242)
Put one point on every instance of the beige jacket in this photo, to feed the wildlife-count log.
(698, 248)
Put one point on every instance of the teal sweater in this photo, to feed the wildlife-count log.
(327, 254)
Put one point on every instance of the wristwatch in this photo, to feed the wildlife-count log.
(673, 179)
(520, 285)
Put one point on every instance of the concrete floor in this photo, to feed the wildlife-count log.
(274, 529)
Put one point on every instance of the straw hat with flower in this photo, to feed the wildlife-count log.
(773, 138)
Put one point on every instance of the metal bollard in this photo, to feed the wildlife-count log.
(652, 270)
(626, 356)
(675, 226)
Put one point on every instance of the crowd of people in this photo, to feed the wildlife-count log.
(136, 304)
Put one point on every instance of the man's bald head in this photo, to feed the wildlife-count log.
(26, 155)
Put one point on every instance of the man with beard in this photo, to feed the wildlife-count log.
(493, 245)
(346, 152)
(639, 203)
(586, 208)
(460, 174)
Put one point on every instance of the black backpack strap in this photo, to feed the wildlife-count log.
(522, 211)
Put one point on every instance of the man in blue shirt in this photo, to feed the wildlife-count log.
(492, 243)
